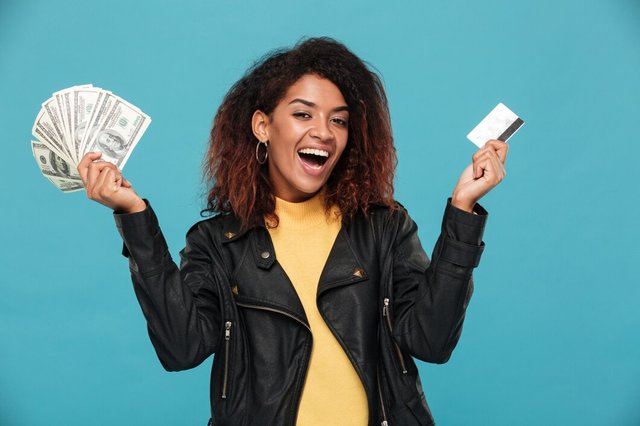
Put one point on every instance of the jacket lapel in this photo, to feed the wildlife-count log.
(342, 267)
(260, 280)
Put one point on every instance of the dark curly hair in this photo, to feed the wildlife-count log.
(364, 174)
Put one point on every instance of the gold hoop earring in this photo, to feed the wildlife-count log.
(266, 152)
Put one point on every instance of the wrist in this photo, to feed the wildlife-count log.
(462, 204)
(137, 207)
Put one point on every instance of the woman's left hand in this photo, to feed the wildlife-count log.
(481, 176)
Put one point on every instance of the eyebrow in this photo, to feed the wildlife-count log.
(312, 105)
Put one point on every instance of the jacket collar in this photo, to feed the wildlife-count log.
(261, 281)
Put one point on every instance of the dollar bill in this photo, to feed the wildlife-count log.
(84, 101)
(56, 169)
(119, 133)
(98, 115)
(43, 129)
(80, 119)
(51, 108)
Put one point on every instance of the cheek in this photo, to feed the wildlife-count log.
(342, 145)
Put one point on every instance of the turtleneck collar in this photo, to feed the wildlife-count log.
(305, 214)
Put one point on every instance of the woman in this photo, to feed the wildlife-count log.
(310, 284)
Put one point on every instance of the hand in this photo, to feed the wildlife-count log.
(481, 176)
(105, 184)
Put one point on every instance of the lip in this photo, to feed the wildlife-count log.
(321, 147)
(311, 170)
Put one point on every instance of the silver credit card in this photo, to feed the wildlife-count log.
(501, 123)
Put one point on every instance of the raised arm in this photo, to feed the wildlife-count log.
(181, 305)
(430, 298)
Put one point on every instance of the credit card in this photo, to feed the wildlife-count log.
(500, 124)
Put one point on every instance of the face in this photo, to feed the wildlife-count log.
(113, 141)
(307, 133)
(59, 164)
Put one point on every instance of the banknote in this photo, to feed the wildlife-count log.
(80, 119)
(119, 133)
(51, 108)
(43, 129)
(55, 168)
(84, 101)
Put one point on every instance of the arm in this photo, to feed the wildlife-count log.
(430, 298)
(181, 305)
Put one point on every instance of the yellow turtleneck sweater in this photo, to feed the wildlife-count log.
(333, 393)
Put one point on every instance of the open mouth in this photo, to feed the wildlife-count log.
(314, 158)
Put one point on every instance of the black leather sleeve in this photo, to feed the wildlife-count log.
(430, 297)
(181, 305)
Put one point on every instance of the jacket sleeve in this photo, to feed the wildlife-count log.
(181, 305)
(430, 298)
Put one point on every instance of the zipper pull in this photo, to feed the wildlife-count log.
(227, 330)
(385, 308)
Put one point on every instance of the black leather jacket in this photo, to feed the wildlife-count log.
(379, 294)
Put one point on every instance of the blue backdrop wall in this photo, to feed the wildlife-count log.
(551, 335)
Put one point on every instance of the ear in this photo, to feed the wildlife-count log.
(260, 125)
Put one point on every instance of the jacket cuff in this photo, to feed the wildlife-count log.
(463, 232)
(143, 242)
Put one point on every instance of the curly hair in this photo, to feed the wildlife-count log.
(362, 177)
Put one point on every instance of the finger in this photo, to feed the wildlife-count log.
(83, 165)
(476, 158)
(501, 148)
(479, 159)
(482, 162)
(93, 171)
(493, 169)
(126, 183)
(114, 179)
(96, 167)
(477, 169)
(105, 184)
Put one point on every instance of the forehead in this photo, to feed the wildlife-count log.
(316, 89)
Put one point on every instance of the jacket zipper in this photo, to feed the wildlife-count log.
(264, 308)
(384, 413)
(273, 310)
(385, 313)
(227, 337)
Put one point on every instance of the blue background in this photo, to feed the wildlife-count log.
(552, 333)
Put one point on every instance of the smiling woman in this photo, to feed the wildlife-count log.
(317, 96)
(309, 283)
(308, 131)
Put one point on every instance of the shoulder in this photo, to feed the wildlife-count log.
(221, 227)
(385, 215)
(383, 221)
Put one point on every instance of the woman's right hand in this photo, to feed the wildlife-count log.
(105, 184)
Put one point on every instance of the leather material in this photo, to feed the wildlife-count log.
(382, 298)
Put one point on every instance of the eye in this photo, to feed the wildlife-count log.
(340, 121)
(302, 115)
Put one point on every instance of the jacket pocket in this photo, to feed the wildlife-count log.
(387, 320)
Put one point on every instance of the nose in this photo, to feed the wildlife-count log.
(321, 130)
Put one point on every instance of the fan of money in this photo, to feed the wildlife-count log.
(84, 119)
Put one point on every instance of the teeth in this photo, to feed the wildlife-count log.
(313, 151)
